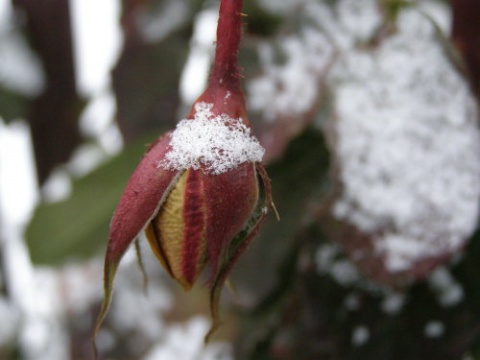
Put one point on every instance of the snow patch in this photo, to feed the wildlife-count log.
(195, 72)
(157, 22)
(329, 261)
(360, 335)
(408, 146)
(291, 88)
(214, 143)
(434, 329)
(448, 290)
(10, 316)
(176, 346)
(393, 303)
(20, 69)
(345, 22)
(295, 66)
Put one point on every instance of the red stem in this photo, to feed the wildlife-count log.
(225, 71)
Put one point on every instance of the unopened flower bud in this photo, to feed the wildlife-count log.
(200, 192)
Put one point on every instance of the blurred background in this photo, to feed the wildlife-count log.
(368, 111)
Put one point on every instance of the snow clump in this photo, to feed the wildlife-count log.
(408, 146)
(214, 143)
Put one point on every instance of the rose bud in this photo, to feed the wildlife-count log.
(200, 192)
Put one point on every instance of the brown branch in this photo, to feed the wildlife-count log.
(54, 113)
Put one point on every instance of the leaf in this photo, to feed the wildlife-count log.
(78, 227)
(13, 105)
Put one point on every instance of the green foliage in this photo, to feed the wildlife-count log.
(12, 105)
(78, 226)
(260, 22)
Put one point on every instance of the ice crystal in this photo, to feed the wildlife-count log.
(214, 143)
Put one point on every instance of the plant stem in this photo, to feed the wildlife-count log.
(225, 71)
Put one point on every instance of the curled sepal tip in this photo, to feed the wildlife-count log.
(109, 274)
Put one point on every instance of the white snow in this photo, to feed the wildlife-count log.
(18, 193)
(39, 299)
(280, 6)
(393, 303)
(156, 22)
(175, 346)
(217, 142)
(97, 42)
(10, 316)
(290, 87)
(434, 329)
(360, 335)
(195, 72)
(408, 145)
(345, 22)
(144, 308)
(448, 290)
(20, 69)
(342, 270)
(96, 121)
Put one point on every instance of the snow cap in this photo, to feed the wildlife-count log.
(215, 143)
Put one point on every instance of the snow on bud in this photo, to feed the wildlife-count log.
(215, 143)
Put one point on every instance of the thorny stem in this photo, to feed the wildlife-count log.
(229, 32)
